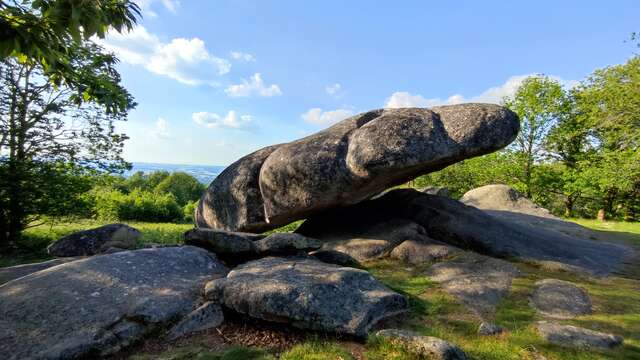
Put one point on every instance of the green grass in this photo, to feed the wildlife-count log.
(629, 231)
(36, 239)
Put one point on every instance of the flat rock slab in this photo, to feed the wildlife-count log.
(96, 306)
(349, 162)
(477, 281)
(560, 299)
(286, 243)
(237, 247)
(14, 272)
(424, 346)
(95, 241)
(308, 294)
(573, 336)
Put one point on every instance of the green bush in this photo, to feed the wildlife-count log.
(188, 211)
(140, 205)
(183, 186)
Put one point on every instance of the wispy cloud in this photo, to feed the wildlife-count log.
(255, 85)
(318, 117)
(231, 121)
(334, 90)
(161, 129)
(493, 94)
(240, 56)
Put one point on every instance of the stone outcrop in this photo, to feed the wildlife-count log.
(95, 241)
(418, 252)
(349, 162)
(508, 205)
(466, 227)
(95, 306)
(307, 293)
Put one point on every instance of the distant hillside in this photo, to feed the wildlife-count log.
(204, 173)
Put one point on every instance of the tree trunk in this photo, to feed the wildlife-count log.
(568, 206)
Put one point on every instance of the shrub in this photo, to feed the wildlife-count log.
(140, 205)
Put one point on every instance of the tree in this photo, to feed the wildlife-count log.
(46, 32)
(42, 124)
(539, 102)
(183, 186)
(608, 103)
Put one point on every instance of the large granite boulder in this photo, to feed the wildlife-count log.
(349, 162)
(95, 241)
(308, 294)
(469, 228)
(95, 306)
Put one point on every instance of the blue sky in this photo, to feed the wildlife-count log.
(215, 80)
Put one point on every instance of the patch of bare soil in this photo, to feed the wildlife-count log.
(240, 330)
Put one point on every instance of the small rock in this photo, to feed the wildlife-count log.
(560, 299)
(208, 315)
(223, 243)
(568, 335)
(308, 294)
(334, 257)
(420, 252)
(95, 241)
(286, 243)
(428, 346)
(487, 329)
(478, 281)
(436, 190)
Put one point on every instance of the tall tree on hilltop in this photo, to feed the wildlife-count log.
(44, 133)
(608, 103)
(539, 102)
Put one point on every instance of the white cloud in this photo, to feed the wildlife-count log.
(147, 6)
(185, 60)
(318, 117)
(232, 120)
(333, 90)
(161, 129)
(254, 85)
(493, 95)
(400, 99)
(240, 56)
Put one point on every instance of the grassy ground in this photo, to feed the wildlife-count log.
(616, 309)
